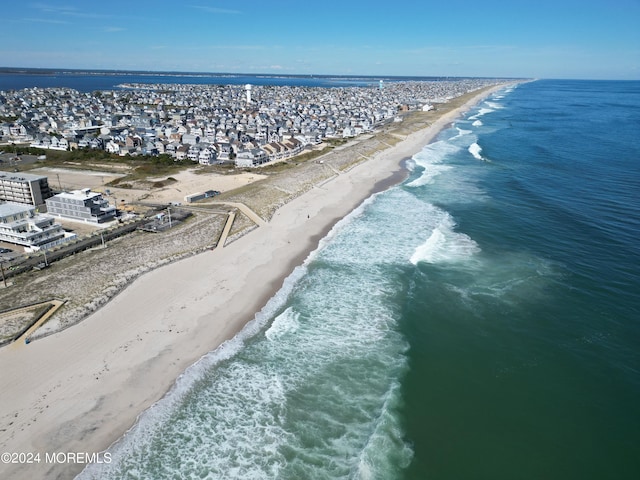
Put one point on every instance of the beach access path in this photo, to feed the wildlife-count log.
(79, 390)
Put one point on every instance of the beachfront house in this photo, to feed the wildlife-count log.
(194, 153)
(208, 156)
(182, 152)
(251, 158)
(226, 150)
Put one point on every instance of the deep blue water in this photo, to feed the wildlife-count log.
(479, 321)
(524, 357)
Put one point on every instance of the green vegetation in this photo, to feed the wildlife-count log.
(140, 167)
(14, 324)
(145, 166)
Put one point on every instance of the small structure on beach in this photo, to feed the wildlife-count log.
(201, 196)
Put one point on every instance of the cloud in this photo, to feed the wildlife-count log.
(66, 11)
(45, 7)
(235, 47)
(114, 29)
(222, 11)
(46, 20)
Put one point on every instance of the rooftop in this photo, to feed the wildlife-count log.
(11, 208)
(21, 177)
(79, 194)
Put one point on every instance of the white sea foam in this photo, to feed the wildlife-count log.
(430, 159)
(476, 151)
(477, 123)
(445, 245)
(494, 105)
(372, 463)
(481, 112)
(285, 323)
(428, 175)
(461, 132)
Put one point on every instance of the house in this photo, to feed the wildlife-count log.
(182, 152)
(190, 139)
(194, 153)
(348, 132)
(208, 156)
(96, 143)
(18, 131)
(251, 158)
(150, 148)
(274, 150)
(273, 137)
(225, 150)
(133, 141)
(293, 145)
(59, 144)
(171, 148)
(113, 146)
(141, 120)
(160, 146)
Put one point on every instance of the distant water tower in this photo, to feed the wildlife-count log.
(247, 88)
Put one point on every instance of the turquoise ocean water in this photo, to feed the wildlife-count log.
(479, 321)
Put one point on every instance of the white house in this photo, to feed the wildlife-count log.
(182, 152)
(190, 139)
(208, 156)
(113, 146)
(251, 158)
(194, 153)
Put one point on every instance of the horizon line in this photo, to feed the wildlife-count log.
(6, 69)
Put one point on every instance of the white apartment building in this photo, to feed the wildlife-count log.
(83, 205)
(21, 225)
(24, 188)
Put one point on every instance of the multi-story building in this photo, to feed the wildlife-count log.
(24, 188)
(83, 205)
(21, 225)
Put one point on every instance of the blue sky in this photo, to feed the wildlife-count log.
(490, 38)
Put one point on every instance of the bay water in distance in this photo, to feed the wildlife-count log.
(86, 81)
(479, 321)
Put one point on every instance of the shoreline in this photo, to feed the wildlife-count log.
(81, 389)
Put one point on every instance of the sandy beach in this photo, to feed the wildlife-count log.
(80, 390)
(188, 181)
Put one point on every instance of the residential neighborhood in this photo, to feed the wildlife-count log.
(207, 124)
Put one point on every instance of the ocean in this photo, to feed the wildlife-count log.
(481, 320)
